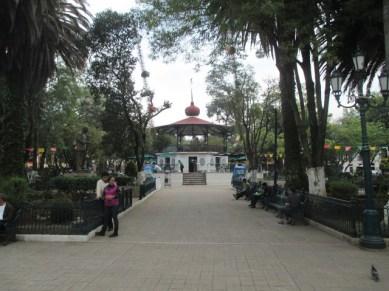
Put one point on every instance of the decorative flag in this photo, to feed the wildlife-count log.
(347, 148)
(29, 150)
(41, 150)
(53, 149)
(337, 147)
(373, 148)
(327, 146)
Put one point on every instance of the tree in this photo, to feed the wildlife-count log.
(271, 24)
(32, 35)
(111, 42)
(236, 96)
(65, 108)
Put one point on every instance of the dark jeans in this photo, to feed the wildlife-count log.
(242, 193)
(111, 213)
(110, 224)
(287, 211)
(2, 226)
(255, 199)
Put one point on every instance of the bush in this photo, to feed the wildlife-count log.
(124, 180)
(74, 183)
(131, 170)
(15, 188)
(61, 211)
(82, 183)
(342, 189)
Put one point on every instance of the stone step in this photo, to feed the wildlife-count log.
(194, 179)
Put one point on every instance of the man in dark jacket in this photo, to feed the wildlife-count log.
(292, 204)
(7, 212)
(260, 194)
(244, 190)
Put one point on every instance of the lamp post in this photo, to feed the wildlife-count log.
(371, 237)
(275, 157)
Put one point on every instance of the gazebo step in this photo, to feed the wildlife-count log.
(194, 179)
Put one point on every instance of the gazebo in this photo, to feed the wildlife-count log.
(199, 155)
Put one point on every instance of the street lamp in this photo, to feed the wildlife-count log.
(371, 237)
(275, 157)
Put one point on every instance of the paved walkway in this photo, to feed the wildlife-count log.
(195, 238)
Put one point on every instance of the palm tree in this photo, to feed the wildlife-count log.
(33, 34)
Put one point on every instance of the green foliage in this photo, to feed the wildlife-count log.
(342, 189)
(34, 39)
(131, 169)
(68, 109)
(61, 211)
(235, 100)
(15, 188)
(347, 131)
(74, 183)
(111, 42)
(124, 180)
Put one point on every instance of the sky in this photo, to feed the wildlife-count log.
(171, 81)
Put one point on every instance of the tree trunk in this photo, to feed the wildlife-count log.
(314, 160)
(386, 30)
(294, 170)
(12, 160)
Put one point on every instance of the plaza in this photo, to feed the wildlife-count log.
(195, 238)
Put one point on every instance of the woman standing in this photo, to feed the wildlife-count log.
(111, 206)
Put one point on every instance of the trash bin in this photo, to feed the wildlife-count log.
(167, 178)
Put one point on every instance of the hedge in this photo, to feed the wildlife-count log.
(82, 183)
(342, 189)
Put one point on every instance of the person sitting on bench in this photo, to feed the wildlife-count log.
(244, 190)
(7, 212)
(259, 195)
(291, 205)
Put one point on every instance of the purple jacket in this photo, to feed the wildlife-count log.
(111, 195)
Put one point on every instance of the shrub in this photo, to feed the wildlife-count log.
(82, 183)
(342, 189)
(74, 183)
(131, 170)
(124, 180)
(15, 188)
(61, 211)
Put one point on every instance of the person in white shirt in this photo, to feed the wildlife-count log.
(6, 212)
(100, 186)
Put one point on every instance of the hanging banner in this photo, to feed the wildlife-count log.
(373, 148)
(327, 146)
(347, 148)
(30, 150)
(337, 147)
(53, 149)
(41, 150)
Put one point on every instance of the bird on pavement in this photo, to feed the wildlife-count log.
(374, 274)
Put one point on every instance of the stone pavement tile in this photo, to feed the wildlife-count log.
(196, 238)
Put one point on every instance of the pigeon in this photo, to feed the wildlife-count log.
(374, 274)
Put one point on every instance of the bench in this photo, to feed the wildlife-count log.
(279, 200)
(9, 234)
(251, 191)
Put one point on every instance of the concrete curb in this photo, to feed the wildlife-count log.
(352, 240)
(76, 238)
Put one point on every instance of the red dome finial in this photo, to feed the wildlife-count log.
(192, 110)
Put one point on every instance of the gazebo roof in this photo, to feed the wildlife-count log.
(192, 126)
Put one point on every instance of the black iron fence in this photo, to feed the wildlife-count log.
(67, 218)
(341, 215)
(147, 187)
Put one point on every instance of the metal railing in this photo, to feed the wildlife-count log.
(335, 213)
(67, 218)
(147, 187)
(201, 148)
